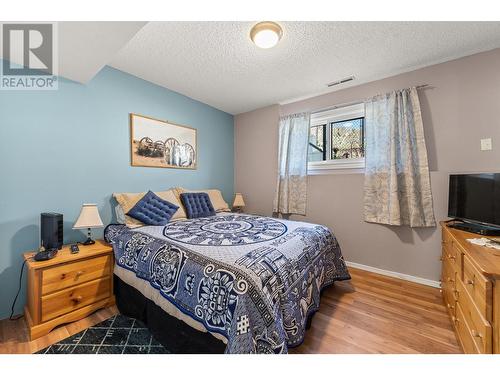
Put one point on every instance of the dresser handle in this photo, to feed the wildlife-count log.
(451, 257)
(79, 273)
(77, 299)
(469, 282)
(476, 334)
(450, 306)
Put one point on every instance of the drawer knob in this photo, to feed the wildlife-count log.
(451, 256)
(77, 299)
(476, 334)
(469, 282)
(450, 306)
(79, 273)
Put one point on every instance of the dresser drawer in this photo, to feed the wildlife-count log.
(464, 334)
(64, 301)
(448, 282)
(479, 288)
(71, 274)
(453, 255)
(480, 328)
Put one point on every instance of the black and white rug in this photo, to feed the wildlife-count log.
(117, 335)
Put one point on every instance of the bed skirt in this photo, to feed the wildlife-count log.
(175, 335)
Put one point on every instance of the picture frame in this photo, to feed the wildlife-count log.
(162, 144)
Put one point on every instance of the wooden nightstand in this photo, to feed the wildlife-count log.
(68, 287)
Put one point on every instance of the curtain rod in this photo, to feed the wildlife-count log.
(357, 101)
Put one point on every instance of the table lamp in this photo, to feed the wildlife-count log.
(89, 218)
(238, 202)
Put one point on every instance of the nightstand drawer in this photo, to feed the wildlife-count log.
(71, 274)
(64, 301)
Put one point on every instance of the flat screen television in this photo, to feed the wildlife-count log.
(474, 199)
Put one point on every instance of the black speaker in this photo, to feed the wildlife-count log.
(51, 230)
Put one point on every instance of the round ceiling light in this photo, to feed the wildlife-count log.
(266, 34)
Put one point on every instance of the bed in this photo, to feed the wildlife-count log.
(249, 281)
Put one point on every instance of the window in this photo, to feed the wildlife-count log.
(317, 140)
(336, 139)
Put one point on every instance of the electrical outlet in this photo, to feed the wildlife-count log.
(486, 144)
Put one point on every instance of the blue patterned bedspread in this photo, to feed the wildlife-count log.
(252, 279)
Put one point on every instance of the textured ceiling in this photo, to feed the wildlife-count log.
(84, 48)
(216, 63)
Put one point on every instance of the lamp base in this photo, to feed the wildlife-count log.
(89, 241)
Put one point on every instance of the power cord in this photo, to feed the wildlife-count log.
(18, 291)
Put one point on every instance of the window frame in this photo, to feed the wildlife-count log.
(351, 112)
(325, 139)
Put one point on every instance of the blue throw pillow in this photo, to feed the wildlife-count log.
(197, 205)
(152, 210)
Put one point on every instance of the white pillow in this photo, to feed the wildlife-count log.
(120, 215)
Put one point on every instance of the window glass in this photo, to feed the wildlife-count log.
(317, 140)
(347, 139)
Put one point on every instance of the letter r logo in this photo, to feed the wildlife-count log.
(28, 49)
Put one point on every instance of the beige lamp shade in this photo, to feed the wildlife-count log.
(89, 217)
(238, 200)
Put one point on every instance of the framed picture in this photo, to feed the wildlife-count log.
(162, 144)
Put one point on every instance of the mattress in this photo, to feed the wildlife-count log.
(250, 281)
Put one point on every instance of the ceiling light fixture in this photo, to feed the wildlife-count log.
(266, 34)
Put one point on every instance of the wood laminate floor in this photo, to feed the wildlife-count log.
(368, 314)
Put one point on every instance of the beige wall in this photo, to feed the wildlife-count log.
(460, 108)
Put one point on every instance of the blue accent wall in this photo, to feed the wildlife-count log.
(59, 149)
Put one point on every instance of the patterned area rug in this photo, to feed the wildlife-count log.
(117, 335)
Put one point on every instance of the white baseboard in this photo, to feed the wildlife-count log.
(397, 275)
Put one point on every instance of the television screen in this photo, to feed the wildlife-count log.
(475, 197)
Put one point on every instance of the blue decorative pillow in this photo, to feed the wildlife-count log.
(197, 205)
(152, 210)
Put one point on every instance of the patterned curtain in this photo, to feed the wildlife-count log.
(397, 182)
(291, 186)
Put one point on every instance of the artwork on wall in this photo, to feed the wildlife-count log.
(161, 144)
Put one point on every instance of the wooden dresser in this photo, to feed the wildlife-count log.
(470, 283)
(68, 287)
